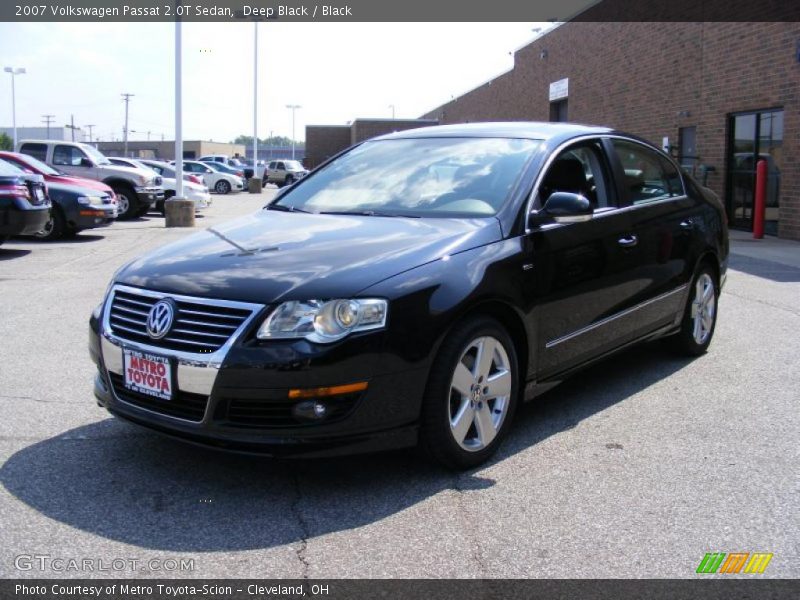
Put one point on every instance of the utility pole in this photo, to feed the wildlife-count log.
(47, 119)
(293, 107)
(271, 144)
(127, 99)
(71, 126)
(89, 127)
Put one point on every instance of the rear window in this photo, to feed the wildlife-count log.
(35, 150)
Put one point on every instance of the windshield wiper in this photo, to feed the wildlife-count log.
(365, 213)
(283, 208)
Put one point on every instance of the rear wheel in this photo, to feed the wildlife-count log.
(222, 187)
(471, 395)
(127, 202)
(54, 228)
(700, 315)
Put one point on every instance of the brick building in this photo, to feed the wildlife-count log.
(323, 141)
(718, 95)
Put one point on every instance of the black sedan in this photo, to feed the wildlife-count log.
(24, 205)
(76, 209)
(413, 290)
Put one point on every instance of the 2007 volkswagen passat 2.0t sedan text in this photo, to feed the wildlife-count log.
(413, 290)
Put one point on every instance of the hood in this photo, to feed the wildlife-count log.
(79, 182)
(129, 172)
(76, 189)
(272, 256)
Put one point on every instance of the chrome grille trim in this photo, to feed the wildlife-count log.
(206, 335)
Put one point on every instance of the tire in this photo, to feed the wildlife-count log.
(222, 187)
(3, 239)
(143, 210)
(289, 180)
(127, 201)
(264, 181)
(700, 315)
(462, 428)
(54, 228)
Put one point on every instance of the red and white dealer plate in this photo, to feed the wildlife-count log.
(147, 373)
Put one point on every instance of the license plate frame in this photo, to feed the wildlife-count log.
(148, 373)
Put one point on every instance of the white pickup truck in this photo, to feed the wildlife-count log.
(136, 189)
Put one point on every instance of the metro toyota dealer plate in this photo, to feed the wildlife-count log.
(147, 374)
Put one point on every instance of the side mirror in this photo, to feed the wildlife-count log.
(85, 162)
(566, 207)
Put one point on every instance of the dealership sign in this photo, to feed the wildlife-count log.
(559, 89)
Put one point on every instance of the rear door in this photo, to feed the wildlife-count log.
(581, 275)
(663, 222)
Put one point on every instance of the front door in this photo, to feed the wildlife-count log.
(581, 276)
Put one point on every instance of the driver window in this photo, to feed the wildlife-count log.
(578, 170)
(68, 156)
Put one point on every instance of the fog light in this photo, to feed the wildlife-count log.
(310, 410)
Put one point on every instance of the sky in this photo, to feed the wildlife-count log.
(336, 71)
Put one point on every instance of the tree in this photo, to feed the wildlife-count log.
(6, 143)
(275, 140)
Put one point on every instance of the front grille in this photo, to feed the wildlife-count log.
(198, 327)
(183, 405)
(262, 412)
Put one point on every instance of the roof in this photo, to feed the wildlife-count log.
(510, 129)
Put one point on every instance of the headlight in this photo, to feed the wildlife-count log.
(90, 200)
(323, 322)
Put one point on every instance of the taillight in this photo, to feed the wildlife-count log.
(15, 190)
(194, 179)
(240, 174)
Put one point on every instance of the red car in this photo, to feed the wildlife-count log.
(51, 175)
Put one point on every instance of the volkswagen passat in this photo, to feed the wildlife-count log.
(414, 289)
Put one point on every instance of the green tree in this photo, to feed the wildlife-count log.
(5, 142)
(275, 140)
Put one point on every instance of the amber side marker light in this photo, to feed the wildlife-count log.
(321, 392)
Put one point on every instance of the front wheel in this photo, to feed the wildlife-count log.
(54, 228)
(471, 395)
(222, 187)
(127, 202)
(700, 315)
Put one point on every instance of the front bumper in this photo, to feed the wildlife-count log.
(149, 195)
(256, 378)
(91, 217)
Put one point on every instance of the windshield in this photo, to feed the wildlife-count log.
(7, 168)
(97, 157)
(416, 177)
(43, 168)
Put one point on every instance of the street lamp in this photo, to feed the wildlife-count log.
(14, 71)
(293, 107)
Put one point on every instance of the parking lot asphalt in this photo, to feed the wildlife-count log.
(636, 468)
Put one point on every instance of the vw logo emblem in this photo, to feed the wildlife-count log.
(160, 319)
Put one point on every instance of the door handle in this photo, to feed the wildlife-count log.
(687, 224)
(628, 242)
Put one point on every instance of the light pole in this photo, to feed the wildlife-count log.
(392, 107)
(255, 99)
(293, 107)
(14, 72)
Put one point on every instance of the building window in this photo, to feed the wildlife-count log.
(558, 111)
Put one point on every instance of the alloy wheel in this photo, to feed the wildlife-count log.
(704, 307)
(123, 204)
(479, 393)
